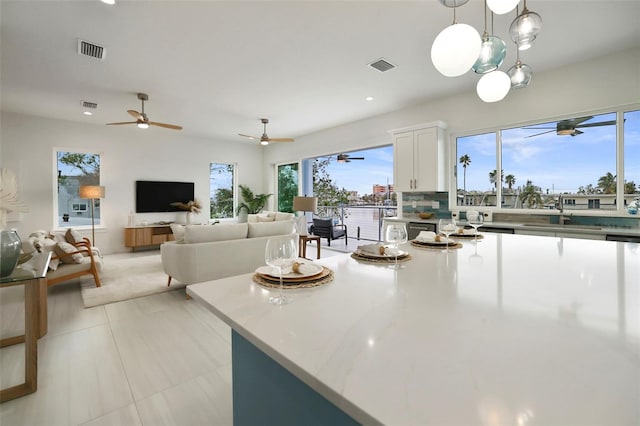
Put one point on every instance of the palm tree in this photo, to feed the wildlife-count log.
(510, 180)
(530, 196)
(607, 183)
(465, 160)
(630, 187)
(493, 177)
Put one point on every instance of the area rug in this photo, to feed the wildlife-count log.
(126, 276)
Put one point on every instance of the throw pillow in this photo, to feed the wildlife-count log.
(178, 232)
(44, 245)
(58, 237)
(65, 252)
(220, 232)
(284, 216)
(268, 229)
(262, 218)
(72, 236)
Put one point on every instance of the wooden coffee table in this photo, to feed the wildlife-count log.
(304, 239)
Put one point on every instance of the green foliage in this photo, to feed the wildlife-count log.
(510, 180)
(493, 177)
(607, 183)
(465, 160)
(630, 188)
(530, 196)
(324, 187)
(287, 186)
(222, 205)
(252, 203)
(87, 164)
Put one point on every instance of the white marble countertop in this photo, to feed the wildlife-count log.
(516, 329)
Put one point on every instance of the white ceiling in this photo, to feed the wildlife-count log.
(217, 67)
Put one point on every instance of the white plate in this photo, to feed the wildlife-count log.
(444, 242)
(306, 269)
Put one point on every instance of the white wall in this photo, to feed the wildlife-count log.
(28, 146)
(612, 80)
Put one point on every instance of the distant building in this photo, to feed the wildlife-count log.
(382, 189)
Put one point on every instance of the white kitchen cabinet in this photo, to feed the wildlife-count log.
(419, 158)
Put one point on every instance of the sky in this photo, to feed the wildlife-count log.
(361, 175)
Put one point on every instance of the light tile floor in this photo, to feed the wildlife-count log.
(155, 360)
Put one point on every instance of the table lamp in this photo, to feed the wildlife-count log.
(92, 192)
(304, 204)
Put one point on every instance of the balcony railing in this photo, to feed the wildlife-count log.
(363, 222)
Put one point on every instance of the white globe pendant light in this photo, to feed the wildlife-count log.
(455, 49)
(500, 7)
(493, 86)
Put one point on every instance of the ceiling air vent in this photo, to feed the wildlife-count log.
(91, 49)
(89, 105)
(382, 65)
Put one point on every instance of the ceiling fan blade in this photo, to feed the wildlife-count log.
(538, 134)
(538, 128)
(280, 139)
(135, 114)
(165, 125)
(602, 123)
(356, 158)
(122, 122)
(249, 136)
(574, 121)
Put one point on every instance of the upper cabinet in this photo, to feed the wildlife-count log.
(419, 158)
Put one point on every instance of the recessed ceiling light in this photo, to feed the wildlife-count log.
(87, 113)
(108, 1)
(368, 98)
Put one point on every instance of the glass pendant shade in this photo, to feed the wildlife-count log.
(525, 28)
(455, 49)
(520, 75)
(492, 53)
(500, 7)
(454, 3)
(493, 86)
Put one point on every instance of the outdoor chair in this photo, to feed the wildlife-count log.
(325, 228)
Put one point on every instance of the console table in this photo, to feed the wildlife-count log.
(32, 275)
(146, 235)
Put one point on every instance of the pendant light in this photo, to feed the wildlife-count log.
(520, 74)
(525, 28)
(500, 7)
(492, 50)
(456, 48)
(493, 86)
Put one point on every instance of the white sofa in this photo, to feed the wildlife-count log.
(208, 252)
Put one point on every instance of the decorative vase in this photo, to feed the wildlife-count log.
(10, 251)
(188, 218)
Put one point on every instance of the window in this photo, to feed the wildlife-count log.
(575, 157)
(222, 190)
(287, 186)
(76, 169)
(476, 170)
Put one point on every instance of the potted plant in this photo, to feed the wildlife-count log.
(252, 203)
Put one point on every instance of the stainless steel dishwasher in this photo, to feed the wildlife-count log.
(414, 228)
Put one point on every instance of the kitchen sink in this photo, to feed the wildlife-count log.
(568, 226)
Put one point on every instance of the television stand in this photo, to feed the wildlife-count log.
(146, 236)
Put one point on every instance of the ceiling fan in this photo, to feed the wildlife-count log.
(346, 158)
(570, 127)
(141, 118)
(264, 139)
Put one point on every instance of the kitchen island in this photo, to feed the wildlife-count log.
(514, 329)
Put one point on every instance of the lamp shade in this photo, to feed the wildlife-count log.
(91, 191)
(492, 53)
(305, 204)
(525, 28)
(500, 7)
(455, 49)
(493, 86)
(520, 75)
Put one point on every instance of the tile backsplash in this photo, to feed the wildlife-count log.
(417, 202)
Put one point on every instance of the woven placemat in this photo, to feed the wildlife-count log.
(382, 260)
(325, 277)
(441, 247)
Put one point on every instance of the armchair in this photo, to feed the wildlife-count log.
(89, 264)
(324, 228)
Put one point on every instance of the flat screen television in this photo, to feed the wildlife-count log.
(157, 196)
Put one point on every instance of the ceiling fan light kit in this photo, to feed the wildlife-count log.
(454, 46)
